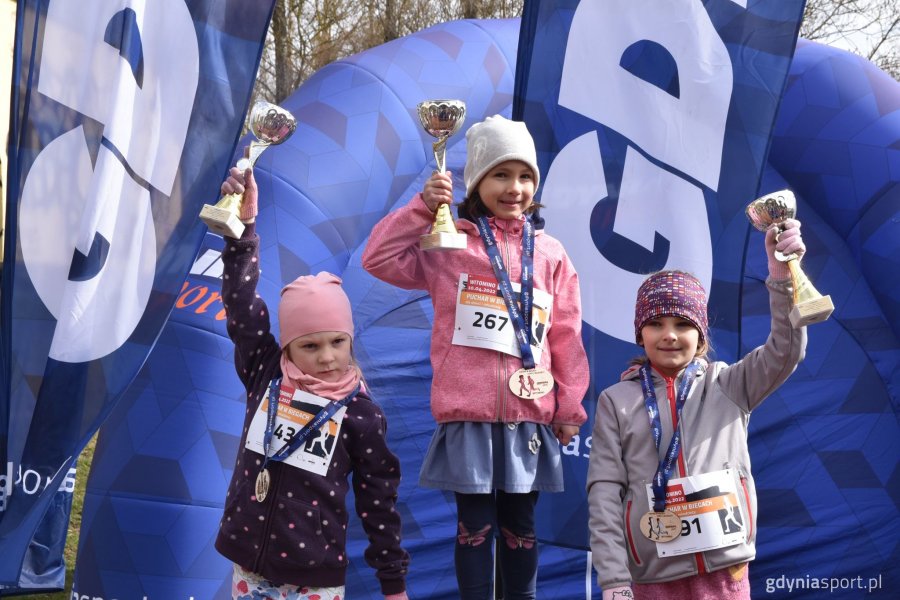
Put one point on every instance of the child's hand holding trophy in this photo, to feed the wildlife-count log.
(442, 118)
(271, 125)
(809, 305)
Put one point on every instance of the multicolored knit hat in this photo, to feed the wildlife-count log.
(674, 294)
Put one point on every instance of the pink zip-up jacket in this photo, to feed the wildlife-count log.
(472, 384)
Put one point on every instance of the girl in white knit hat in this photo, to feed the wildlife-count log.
(509, 367)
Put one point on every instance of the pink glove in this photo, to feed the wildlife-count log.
(400, 596)
(786, 240)
(623, 592)
(243, 182)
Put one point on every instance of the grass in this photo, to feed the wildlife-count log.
(84, 466)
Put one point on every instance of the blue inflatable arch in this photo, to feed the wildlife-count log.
(825, 447)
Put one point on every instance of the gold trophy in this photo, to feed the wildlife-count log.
(271, 125)
(809, 305)
(442, 118)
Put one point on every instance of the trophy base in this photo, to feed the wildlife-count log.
(443, 241)
(222, 221)
(811, 311)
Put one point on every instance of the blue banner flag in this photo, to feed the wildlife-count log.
(661, 111)
(124, 117)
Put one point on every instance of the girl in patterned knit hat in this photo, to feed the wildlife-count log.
(671, 497)
(308, 427)
(508, 381)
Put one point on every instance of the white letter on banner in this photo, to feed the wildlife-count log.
(651, 200)
(113, 62)
(685, 132)
(147, 123)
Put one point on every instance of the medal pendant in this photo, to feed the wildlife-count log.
(662, 526)
(262, 485)
(531, 384)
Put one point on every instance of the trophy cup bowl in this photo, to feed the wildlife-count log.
(809, 305)
(271, 125)
(441, 119)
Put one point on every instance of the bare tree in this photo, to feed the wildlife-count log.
(306, 35)
(870, 28)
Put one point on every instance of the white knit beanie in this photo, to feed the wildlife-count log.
(493, 141)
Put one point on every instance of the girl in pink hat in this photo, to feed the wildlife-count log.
(509, 367)
(671, 497)
(309, 427)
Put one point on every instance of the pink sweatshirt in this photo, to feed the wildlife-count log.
(471, 384)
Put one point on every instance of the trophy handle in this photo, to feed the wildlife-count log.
(256, 149)
(440, 153)
(809, 305)
(443, 235)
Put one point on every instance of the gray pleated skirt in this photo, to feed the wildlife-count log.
(477, 458)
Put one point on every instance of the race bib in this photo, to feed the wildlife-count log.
(711, 516)
(296, 408)
(482, 320)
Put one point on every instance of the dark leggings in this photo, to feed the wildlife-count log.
(480, 515)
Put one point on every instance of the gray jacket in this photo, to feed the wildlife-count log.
(714, 437)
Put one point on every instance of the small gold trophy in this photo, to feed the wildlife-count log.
(809, 305)
(442, 118)
(271, 125)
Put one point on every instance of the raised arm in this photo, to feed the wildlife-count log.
(248, 322)
(392, 253)
(750, 380)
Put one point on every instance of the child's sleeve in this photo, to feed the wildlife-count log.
(607, 483)
(376, 477)
(750, 380)
(392, 253)
(569, 362)
(246, 312)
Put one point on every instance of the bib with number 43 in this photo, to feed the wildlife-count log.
(482, 320)
(711, 515)
(296, 408)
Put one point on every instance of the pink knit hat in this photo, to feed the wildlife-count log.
(674, 294)
(313, 303)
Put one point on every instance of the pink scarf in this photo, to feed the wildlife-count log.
(337, 390)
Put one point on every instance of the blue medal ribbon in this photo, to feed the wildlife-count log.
(272, 411)
(667, 464)
(521, 319)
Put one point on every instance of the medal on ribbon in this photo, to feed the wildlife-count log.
(263, 478)
(659, 524)
(262, 485)
(532, 381)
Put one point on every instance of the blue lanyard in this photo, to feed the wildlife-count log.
(521, 319)
(664, 470)
(272, 410)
